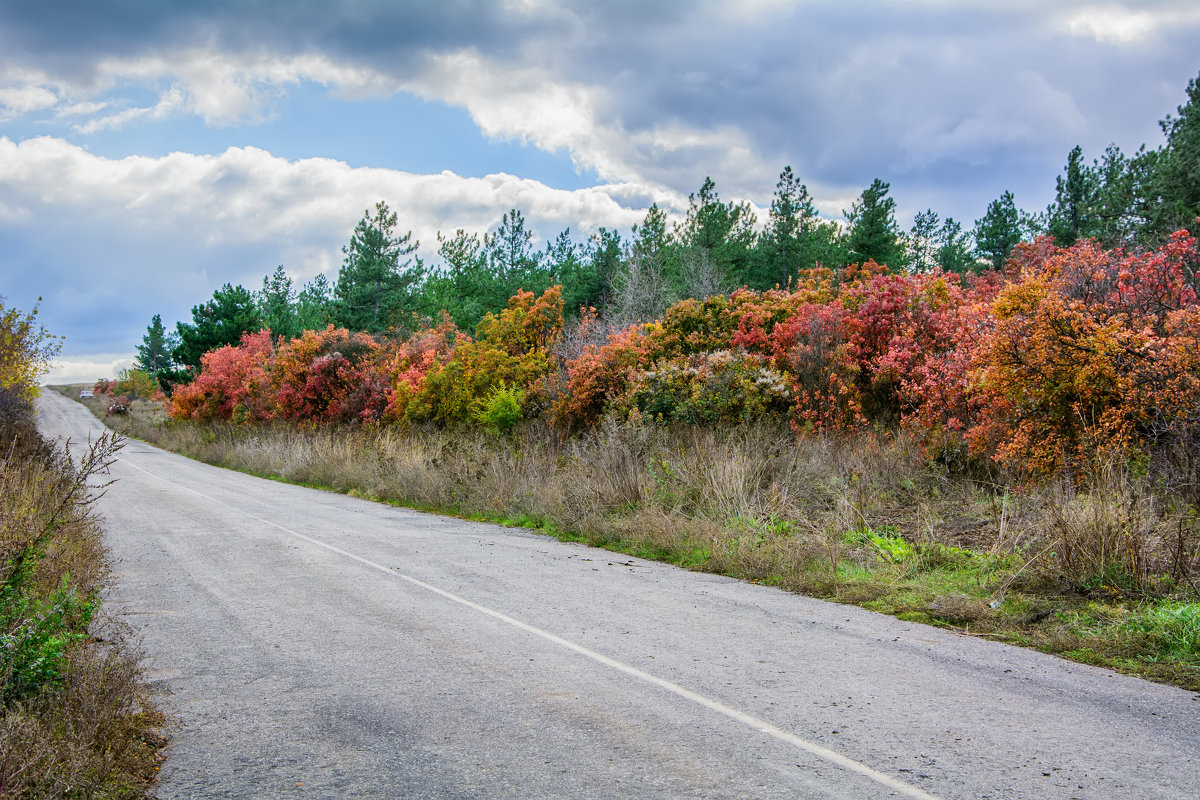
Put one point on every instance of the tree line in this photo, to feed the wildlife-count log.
(384, 287)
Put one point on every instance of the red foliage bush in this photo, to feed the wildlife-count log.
(1067, 356)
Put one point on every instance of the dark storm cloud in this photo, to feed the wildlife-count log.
(69, 38)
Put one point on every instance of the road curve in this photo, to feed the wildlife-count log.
(314, 645)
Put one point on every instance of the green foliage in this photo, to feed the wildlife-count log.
(276, 303)
(715, 243)
(218, 323)
(315, 305)
(26, 349)
(874, 234)
(36, 634)
(887, 546)
(1174, 628)
(377, 283)
(643, 288)
(154, 353)
(1169, 177)
(795, 239)
(999, 231)
(501, 409)
(1072, 215)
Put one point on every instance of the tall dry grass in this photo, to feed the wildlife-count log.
(75, 718)
(753, 500)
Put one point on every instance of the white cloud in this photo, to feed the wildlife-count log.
(523, 101)
(170, 101)
(26, 98)
(301, 208)
(227, 89)
(81, 109)
(87, 368)
(1120, 25)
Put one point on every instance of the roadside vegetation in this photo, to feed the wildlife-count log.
(994, 431)
(76, 720)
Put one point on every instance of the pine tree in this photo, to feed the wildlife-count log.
(276, 305)
(154, 353)
(791, 240)
(874, 233)
(999, 231)
(220, 321)
(1170, 190)
(379, 277)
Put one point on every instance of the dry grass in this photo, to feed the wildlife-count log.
(75, 718)
(865, 520)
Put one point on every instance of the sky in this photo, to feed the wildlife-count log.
(151, 151)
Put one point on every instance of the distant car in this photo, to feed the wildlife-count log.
(85, 393)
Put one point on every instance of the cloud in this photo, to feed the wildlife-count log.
(1116, 24)
(23, 99)
(168, 103)
(88, 368)
(110, 242)
(658, 96)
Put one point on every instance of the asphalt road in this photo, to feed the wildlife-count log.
(313, 645)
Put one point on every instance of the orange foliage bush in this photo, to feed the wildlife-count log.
(1092, 355)
(1067, 356)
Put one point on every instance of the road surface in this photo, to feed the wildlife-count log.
(313, 645)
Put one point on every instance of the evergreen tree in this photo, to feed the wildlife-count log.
(511, 258)
(1114, 209)
(794, 236)
(874, 233)
(954, 249)
(379, 277)
(999, 231)
(314, 305)
(566, 264)
(1072, 215)
(715, 244)
(154, 353)
(220, 321)
(463, 287)
(643, 289)
(1170, 176)
(605, 254)
(276, 305)
(922, 242)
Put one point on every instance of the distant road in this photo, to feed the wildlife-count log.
(318, 646)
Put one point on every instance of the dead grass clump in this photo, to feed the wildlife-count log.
(1109, 531)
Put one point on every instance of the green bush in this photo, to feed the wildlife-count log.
(36, 637)
(501, 409)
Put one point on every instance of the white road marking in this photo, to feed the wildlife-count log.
(759, 725)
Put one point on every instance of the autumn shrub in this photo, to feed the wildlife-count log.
(1091, 355)
(719, 387)
(409, 361)
(513, 348)
(135, 383)
(329, 376)
(233, 381)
